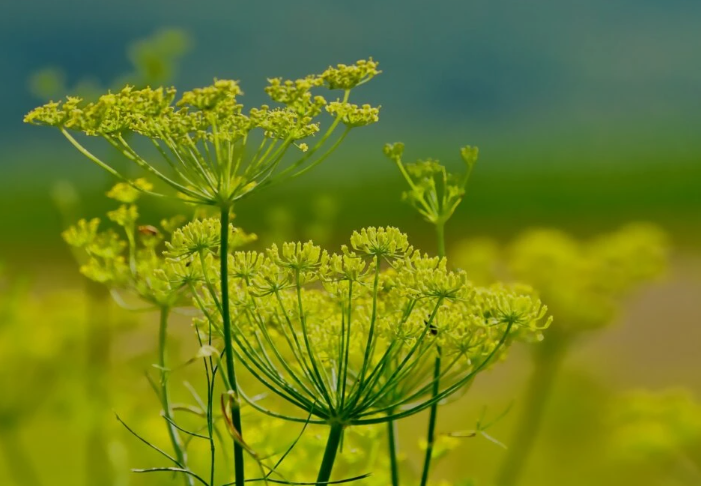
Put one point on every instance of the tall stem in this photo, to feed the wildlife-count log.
(433, 412)
(228, 347)
(547, 362)
(329, 454)
(393, 463)
(178, 448)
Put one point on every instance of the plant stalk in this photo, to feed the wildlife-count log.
(239, 475)
(393, 462)
(332, 444)
(178, 448)
(548, 359)
(433, 411)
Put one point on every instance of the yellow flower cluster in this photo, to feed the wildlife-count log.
(203, 135)
(656, 425)
(582, 281)
(350, 336)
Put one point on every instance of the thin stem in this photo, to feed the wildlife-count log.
(239, 475)
(329, 454)
(433, 412)
(433, 415)
(440, 237)
(180, 454)
(393, 463)
(548, 360)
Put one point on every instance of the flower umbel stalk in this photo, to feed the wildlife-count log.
(228, 348)
(393, 463)
(329, 458)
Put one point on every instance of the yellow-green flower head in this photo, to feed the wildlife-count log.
(469, 155)
(347, 267)
(386, 242)
(222, 93)
(112, 271)
(655, 426)
(583, 282)
(55, 113)
(203, 236)
(518, 307)
(394, 151)
(283, 123)
(297, 94)
(348, 77)
(355, 341)
(82, 234)
(354, 115)
(246, 265)
(125, 215)
(297, 256)
(129, 193)
(635, 253)
(181, 274)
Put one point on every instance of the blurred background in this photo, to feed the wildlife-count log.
(587, 115)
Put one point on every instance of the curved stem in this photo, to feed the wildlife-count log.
(393, 463)
(433, 413)
(228, 347)
(329, 454)
(548, 360)
(180, 453)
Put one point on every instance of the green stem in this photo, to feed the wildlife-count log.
(548, 360)
(17, 459)
(433, 412)
(433, 415)
(239, 475)
(180, 453)
(440, 236)
(393, 463)
(329, 454)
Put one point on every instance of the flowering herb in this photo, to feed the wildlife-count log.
(216, 154)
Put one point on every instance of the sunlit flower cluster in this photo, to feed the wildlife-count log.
(352, 336)
(217, 153)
